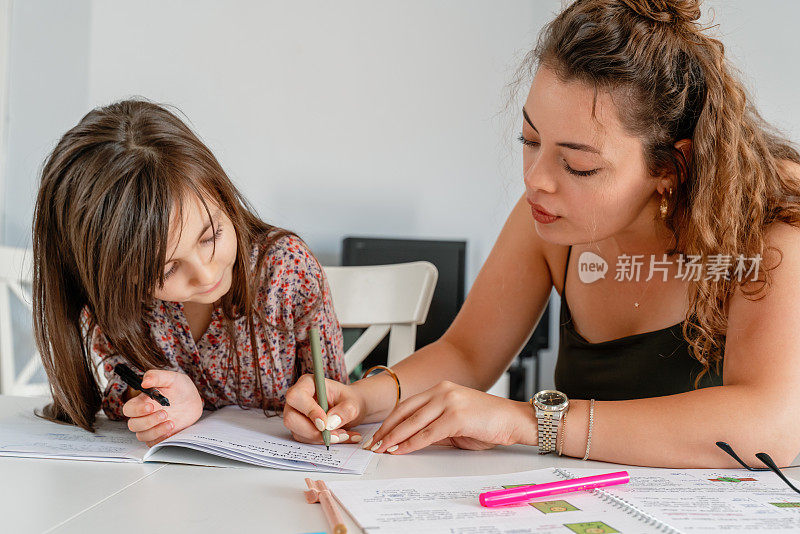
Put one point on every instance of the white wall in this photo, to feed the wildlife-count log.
(5, 41)
(47, 94)
(761, 39)
(334, 118)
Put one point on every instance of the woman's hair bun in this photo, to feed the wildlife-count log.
(670, 11)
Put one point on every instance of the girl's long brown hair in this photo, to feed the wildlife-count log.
(100, 231)
(671, 82)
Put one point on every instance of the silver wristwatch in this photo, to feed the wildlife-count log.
(550, 407)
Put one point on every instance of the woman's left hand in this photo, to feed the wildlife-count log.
(454, 415)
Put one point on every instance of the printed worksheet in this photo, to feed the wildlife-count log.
(700, 500)
(450, 505)
(655, 500)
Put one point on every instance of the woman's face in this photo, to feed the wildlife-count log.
(200, 258)
(585, 170)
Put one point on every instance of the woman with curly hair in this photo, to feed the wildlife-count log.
(642, 146)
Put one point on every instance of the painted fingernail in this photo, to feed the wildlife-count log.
(376, 446)
(343, 437)
(320, 424)
(333, 422)
(393, 448)
(367, 444)
(355, 438)
(334, 438)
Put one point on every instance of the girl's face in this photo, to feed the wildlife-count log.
(585, 170)
(199, 268)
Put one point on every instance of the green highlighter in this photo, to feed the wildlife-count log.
(319, 380)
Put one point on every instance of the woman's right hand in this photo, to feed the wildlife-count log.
(306, 419)
(153, 422)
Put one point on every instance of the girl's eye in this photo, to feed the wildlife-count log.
(527, 142)
(579, 173)
(214, 237)
(171, 271)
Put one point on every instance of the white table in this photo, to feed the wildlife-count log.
(63, 496)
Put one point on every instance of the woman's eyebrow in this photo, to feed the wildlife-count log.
(566, 144)
(528, 119)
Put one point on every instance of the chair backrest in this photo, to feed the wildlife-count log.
(16, 274)
(385, 299)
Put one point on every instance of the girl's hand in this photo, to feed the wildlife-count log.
(454, 415)
(306, 419)
(153, 422)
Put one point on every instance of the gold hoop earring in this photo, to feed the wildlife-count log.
(664, 206)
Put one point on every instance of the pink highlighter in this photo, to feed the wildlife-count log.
(523, 494)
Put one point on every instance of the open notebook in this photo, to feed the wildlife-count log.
(655, 500)
(229, 437)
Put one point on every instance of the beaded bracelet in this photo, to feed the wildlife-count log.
(591, 425)
(563, 431)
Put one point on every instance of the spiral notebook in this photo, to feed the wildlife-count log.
(655, 500)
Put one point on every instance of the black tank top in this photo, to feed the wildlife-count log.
(650, 364)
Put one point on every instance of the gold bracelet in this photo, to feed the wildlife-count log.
(563, 431)
(392, 373)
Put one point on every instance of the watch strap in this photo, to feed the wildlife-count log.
(548, 431)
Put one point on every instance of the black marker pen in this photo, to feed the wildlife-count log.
(135, 381)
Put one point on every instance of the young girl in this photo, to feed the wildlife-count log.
(145, 253)
(639, 143)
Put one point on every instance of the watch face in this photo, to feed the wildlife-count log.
(550, 398)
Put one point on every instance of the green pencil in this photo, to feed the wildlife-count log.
(319, 379)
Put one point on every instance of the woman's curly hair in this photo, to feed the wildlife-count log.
(676, 83)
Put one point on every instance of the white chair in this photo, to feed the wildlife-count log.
(384, 299)
(15, 274)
